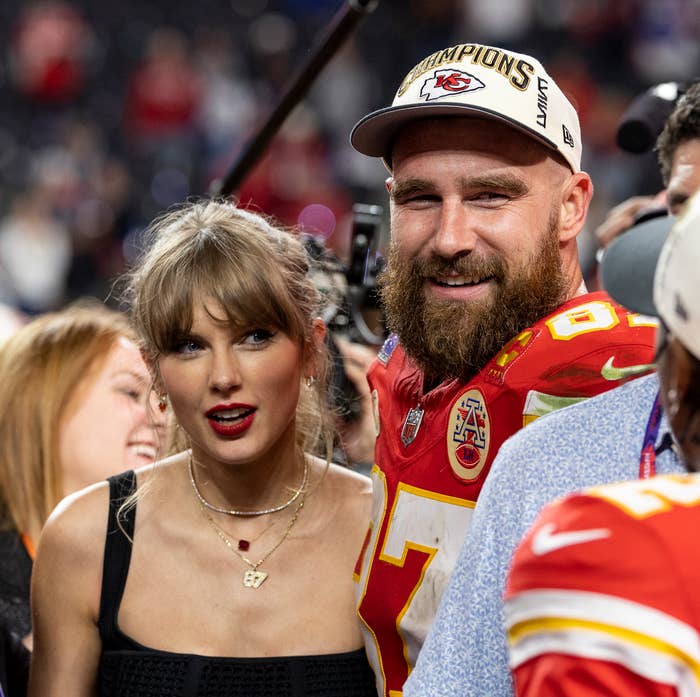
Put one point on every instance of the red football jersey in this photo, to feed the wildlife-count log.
(434, 449)
(602, 598)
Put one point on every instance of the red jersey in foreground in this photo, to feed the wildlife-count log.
(603, 597)
(435, 448)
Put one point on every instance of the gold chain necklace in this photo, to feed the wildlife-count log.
(245, 542)
(253, 578)
(233, 511)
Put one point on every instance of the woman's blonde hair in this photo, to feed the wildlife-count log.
(42, 365)
(257, 273)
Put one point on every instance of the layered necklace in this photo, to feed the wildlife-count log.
(253, 577)
(235, 512)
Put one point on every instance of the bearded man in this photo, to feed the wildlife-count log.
(492, 323)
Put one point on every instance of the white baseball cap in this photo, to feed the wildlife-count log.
(677, 278)
(479, 80)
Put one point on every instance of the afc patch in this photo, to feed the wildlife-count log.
(388, 347)
(448, 83)
(468, 435)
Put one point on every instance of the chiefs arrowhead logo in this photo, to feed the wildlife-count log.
(447, 83)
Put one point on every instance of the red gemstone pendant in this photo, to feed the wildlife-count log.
(243, 545)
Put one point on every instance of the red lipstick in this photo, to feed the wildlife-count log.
(231, 420)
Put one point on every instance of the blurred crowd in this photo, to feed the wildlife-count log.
(111, 112)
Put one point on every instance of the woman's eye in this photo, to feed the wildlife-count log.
(186, 346)
(258, 337)
(132, 393)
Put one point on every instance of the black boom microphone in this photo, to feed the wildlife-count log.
(343, 23)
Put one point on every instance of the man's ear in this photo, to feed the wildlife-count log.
(388, 183)
(576, 197)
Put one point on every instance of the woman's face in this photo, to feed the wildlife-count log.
(234, 393)
(109, 427)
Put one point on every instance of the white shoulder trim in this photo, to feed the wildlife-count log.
(651, 643)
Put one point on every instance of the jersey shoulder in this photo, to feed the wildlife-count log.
(587, 346)
(392, 366)
(626, 540)
(610, 574)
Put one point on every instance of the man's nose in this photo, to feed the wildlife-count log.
(455, 235)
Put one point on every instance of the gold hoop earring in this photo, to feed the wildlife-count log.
(310, 380)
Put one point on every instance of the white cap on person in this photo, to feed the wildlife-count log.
(677, 278)
(477, 80)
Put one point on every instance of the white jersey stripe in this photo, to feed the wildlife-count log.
(607, 610)
(665, 668)
(646, 641)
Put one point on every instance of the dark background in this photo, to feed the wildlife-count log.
(112, 111)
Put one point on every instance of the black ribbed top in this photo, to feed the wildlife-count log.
(128, 669)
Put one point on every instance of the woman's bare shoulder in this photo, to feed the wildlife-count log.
(354, 482)
(342, 489)
(158, 473)
(67, 569)
(78, 524)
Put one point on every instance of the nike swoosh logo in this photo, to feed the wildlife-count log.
(546, 540)
(611, 372)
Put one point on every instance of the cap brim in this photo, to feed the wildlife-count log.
(628, 265)
(374, 135)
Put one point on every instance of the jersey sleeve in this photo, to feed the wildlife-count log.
(584, 349)
(594, 607)
(559, 675)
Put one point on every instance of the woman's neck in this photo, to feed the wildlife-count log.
(248, 487)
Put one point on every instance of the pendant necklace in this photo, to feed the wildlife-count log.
(253, 578)
(244, 543)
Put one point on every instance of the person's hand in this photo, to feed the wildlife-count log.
(358, 436)
(624, 215)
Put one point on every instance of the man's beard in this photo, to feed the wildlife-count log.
(455, 339)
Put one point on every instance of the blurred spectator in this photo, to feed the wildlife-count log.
(294, 182)
(162, 103)
(35, 252)
(486, 20)
(227, 108)
(153, 99)
(163, 91)
(50, 52)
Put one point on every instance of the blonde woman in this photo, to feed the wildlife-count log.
(75, 410)
(230, 570)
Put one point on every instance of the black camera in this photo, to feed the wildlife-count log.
(351, 302)
(350, 291)
(362, 309)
